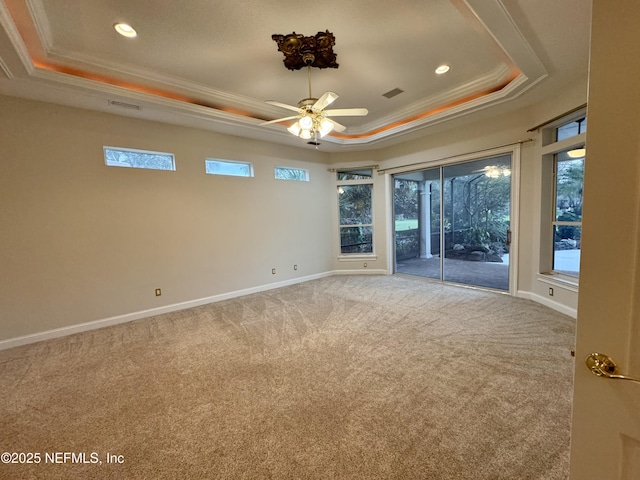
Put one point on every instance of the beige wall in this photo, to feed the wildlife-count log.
(82, 242)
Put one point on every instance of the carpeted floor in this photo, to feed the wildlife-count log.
(346, 377)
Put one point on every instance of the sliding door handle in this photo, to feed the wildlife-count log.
(508, 242)
(603, 366)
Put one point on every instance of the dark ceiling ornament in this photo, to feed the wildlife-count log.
(300, 51)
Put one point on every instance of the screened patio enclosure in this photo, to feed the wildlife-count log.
(452, 222)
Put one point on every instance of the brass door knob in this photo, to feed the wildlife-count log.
(603, 366)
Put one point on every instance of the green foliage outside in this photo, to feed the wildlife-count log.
(355, 210)
(569, 184)
(476, 210)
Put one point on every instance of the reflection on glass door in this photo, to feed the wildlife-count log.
(416, 200)
(453, 222)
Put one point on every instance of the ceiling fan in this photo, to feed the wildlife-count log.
(312, 120)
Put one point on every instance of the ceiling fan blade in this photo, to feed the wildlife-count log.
(347, 112)
(325, 100)
(284, 105)
(278, 120)
(338, 127)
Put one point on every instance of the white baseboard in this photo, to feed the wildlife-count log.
(558, 307)
(129, 317)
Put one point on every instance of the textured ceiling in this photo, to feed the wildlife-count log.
(213, 64)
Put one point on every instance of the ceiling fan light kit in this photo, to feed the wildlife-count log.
(312, 119)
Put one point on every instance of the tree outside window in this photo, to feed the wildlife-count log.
(567, 221)
(355, 199)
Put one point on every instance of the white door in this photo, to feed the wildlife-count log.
(605, 438)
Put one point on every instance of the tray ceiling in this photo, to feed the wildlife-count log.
(213, 64)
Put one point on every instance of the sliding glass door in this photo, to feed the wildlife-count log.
(416, 204)
(452, 222)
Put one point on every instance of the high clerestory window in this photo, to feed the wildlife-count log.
(228, 167)
(290, 173)
(131, 158)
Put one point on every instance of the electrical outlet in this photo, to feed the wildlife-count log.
(273, 271)
(295, 267)
(158, 292)
(550, 292)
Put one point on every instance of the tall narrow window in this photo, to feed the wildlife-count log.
(355, 204)
(563, 164)
(128, 157)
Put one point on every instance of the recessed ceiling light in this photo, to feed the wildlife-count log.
(442, 69)
(125, 30)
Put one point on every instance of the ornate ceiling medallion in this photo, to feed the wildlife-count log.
(300, 51)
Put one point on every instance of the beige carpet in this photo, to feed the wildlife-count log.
(347, 377)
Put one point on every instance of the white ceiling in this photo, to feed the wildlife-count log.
(212, 65)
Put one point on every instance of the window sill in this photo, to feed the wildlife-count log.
(559, 281)
(358, 257)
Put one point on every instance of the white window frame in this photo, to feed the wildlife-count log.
(550, 148)
(340, 183)
(223, 161)
(560, 223)
(133, 150)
